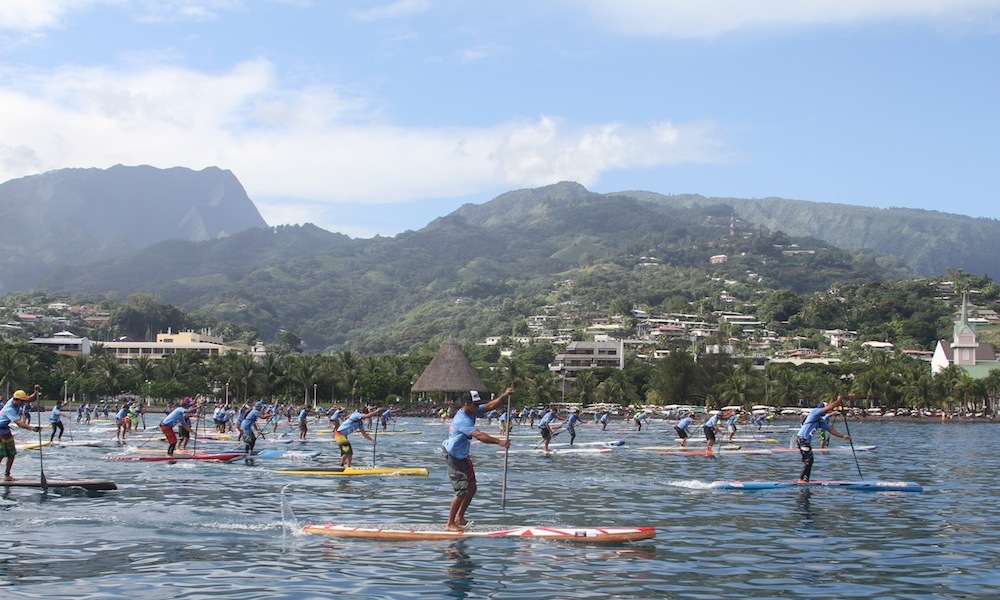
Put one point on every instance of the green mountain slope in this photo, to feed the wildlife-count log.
(474, 273)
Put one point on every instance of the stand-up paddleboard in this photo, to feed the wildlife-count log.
(703, 452)
(31, 445)
(354, 471)
(91, 443)
(867, 486)
(697, 448)
(286, 454)
(93, 485)
(163, 457)
(833, 449)
(422, 532)
(551, 450)
(611, 443)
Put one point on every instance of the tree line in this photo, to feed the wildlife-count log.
(875, 378)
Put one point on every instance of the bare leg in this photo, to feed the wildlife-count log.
(459, 504)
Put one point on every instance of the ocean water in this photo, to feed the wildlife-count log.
(215, 530)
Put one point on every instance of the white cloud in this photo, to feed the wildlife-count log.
(32, 15)
(394, 10)
(713, 18)
(309, 142)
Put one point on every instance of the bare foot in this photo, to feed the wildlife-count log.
(452, 527)
(802, 481)
(8, 478)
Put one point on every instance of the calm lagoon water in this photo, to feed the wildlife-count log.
(211, 530)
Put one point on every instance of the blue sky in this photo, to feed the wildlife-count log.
(376, 117)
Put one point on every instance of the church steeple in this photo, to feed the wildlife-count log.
(964, 344)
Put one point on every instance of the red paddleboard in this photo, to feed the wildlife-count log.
(196, 456)
(423, 532)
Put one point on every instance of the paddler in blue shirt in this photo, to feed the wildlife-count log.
(604, 420)
(355, 422)
(303, 423)
(120, 429)
(459, 446)
(547, 428)
(335, 415)
(710, 427)
(249, 424)
(731, 424)
(682, 429)
(55, 420)
(178, 417)
(815, 420)
(10, 414)
(570, 424)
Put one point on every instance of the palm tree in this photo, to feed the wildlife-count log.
(305, 371)
(542, 389)
(585, 387)
(616, 389)
(13, 368)
(783, 388)
(246, 372)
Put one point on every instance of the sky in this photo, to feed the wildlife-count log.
(376, 117)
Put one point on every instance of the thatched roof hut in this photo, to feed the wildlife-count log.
(450, 372)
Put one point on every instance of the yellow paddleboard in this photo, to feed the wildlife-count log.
(355, 471)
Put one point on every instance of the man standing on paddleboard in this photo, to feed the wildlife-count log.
(178, 417)
(547, 427)
(10, 414)
(682, 428)
(571, 421)
(816, 419)
(355, 422)
(459, 445)
(249, 427)
(710, 427)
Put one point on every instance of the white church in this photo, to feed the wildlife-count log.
(977, 359)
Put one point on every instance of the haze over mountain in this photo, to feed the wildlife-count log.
(79, 216)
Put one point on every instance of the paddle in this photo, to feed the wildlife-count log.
(375, 442)
(41, 461)
(506, 456)
(551, 438)
(847, 428)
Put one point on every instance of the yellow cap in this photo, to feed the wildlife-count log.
(20, 394)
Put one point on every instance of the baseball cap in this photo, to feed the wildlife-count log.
(472, 396)
(19, 394)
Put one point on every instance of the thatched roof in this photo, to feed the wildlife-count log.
(449, 371)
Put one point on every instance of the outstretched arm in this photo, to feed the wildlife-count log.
(499, 400)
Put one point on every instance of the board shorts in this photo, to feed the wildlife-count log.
(462, 473)
(344, 443)
(7, 447)
(546, 433)
(681, 433)
(709, 433)
(168, 431)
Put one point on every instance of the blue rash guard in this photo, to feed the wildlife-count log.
(813, 422)
(355, 422)
(459, 442)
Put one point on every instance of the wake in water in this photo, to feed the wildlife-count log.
(691, 484)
